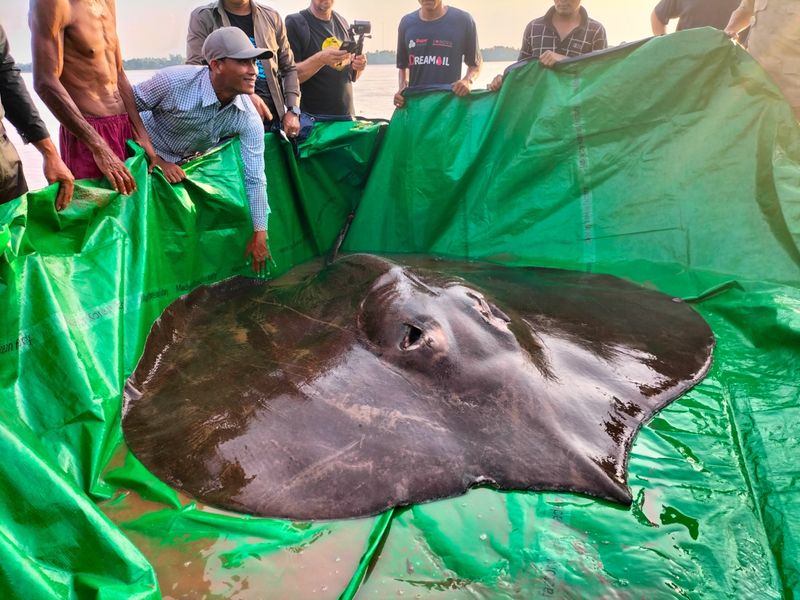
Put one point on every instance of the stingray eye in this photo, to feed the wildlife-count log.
(412, 339)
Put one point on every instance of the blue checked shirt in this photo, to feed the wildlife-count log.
(183, 116)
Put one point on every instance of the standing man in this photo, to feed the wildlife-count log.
(432, 42)
(691, 13)
(563, 32)
(774, 41)
(77, 71)
(326, 73)
(191, 108)
(16, 104)
(277, 83)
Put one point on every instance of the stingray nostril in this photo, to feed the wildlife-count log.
(413, 336)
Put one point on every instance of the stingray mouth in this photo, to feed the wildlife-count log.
(413, 337)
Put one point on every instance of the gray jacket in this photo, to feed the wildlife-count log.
(270, 33)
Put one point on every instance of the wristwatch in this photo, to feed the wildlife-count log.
(294, 109)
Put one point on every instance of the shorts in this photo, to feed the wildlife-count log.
(116, 130)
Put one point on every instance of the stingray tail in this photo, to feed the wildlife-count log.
(333, 254)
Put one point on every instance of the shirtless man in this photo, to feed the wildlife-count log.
(77, 71)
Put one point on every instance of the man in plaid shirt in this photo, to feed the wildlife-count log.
(189, 109)
(565, 31)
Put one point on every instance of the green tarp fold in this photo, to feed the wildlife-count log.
(674, 163)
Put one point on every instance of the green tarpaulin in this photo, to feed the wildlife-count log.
(674, 163)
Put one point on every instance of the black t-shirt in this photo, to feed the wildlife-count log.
(330, 91)
(245, 23)
(434, 50)
(696, 13)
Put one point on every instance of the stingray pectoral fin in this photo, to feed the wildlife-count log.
(602, 478)
(608, 482)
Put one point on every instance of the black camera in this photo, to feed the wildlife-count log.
(359, 29)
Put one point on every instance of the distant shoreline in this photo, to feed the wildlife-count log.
(383, 57)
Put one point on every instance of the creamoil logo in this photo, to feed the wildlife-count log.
(335, 42)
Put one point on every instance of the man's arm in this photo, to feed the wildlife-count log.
(289, 80)
(22, 114)
(550, 58)
(286, 66)
(656, 25)
(19, 107)
(148, 96)
(472, 56)
(661, 15)
(357, 65)
(151, 93)
(172, 172)
(402, 83)
(55, 171)
(48, 19)
(328, 57)
(251, 143)
(740, 18)
(199, 28)
(463, 86)
(402, 66)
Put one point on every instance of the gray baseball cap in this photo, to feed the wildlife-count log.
(231, 42)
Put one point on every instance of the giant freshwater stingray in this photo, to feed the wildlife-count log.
(368, 385)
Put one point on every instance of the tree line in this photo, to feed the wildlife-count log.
(381, 57)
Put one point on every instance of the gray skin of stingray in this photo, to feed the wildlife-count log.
(369, 385)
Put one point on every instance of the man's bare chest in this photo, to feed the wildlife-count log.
(92, 29)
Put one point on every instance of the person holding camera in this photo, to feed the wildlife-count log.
(328, 60)
(432, 42)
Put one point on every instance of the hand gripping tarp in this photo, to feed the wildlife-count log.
(674, 163)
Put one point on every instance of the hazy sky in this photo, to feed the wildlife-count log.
(158, 27)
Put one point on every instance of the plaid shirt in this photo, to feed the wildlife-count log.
(540, 36)
(185, 117)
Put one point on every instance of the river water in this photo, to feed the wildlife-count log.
(373, 98)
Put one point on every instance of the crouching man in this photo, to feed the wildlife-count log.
(189, 109)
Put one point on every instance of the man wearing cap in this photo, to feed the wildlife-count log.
(189, 109)
(277, 83)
